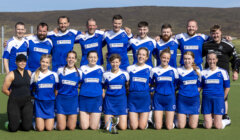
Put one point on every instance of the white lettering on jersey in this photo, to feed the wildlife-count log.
(68, 82)
(87, 46)
(165, 78)
(190, 82)
(41, 50)
(45, 85)
(139, 79)
(24, 53)
(64, 42)
(115, 86)
(115, 45)
(188, 47)
(212, 81)
(91, 80)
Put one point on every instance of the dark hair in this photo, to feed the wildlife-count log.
(117, 17)
(143, 48)
(19, 23)
(212, 52)
(68, 19)
(115, 56)
(165, 26)
(142, 24)
(194, 66)
(215, 27)
(42, 24)
(90, 19)
(167, 50)
(92, 52)
(21, 57)
(74, 64)
(192, 20)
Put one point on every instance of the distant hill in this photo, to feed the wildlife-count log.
(229, 18)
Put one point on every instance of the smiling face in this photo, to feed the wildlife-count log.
(71, 59)
(20, 31)
(45, 63)
(117, 25)
(63, 24)
(91, 26)
(166, 34)
(165, 57)
(92, 58)
(42, 32)
(188, 60)
(212, 60)
(142, 56)
(115, 64)
(217, 35)
(143, 31)
(192, 28)
(21, 64)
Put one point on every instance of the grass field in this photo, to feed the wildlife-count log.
(230, 132)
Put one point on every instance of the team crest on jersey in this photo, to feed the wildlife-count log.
(51, 77)
(219, 75)
(198, 38)
(172, 43)
(123, 35)
(96, 35)
(149, 43)
(122, 77)
(70, 34)
(100, 108)
(174, 106)
(147, 71)
(99, 71)
(171, 73)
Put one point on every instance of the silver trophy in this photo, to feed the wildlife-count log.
(112, 125)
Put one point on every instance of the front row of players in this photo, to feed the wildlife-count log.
(126, 93)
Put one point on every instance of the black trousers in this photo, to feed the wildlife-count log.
(20, 109)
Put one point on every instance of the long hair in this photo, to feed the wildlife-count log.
(64, 69)
(37, 72)
(194, 66)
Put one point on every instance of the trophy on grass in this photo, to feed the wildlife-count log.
(112, 125)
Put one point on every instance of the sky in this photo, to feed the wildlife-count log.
(51, 5)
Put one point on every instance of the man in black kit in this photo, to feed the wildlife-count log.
(226, 53)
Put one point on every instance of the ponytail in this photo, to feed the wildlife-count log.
(195, 68)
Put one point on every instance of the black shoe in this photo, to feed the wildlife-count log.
(225, 116)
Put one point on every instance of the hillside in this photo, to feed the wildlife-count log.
(229, 18)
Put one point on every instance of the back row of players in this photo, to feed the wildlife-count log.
(118, 41)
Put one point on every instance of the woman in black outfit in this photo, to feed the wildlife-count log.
(17, 86)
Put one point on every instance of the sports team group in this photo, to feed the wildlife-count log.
(138, 95)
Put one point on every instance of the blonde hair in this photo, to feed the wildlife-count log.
(37, 72)
(194, 66)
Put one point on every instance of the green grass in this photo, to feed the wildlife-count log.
(230, 132)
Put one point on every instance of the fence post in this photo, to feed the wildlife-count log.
(31, 29)
(2, 48)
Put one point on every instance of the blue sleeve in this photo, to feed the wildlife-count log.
(226, 83)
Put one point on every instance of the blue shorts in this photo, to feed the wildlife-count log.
(90, 104)
(115, 105)
(164, 102)
(139, 102)
(66, 105)
(44, 109)
(213, 104)
(188, 105)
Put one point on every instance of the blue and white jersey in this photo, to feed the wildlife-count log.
(91, 43)
(13, 49)
(91, 85)
(36, 49)
(115, 83)
(165, 80)
(214, 82)
(45, 85)
(173, 45)
(188, 82)
(139, 78)
(69, 80)
(191, 43)
(62, 44)
(117, 43)
(136, 43)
